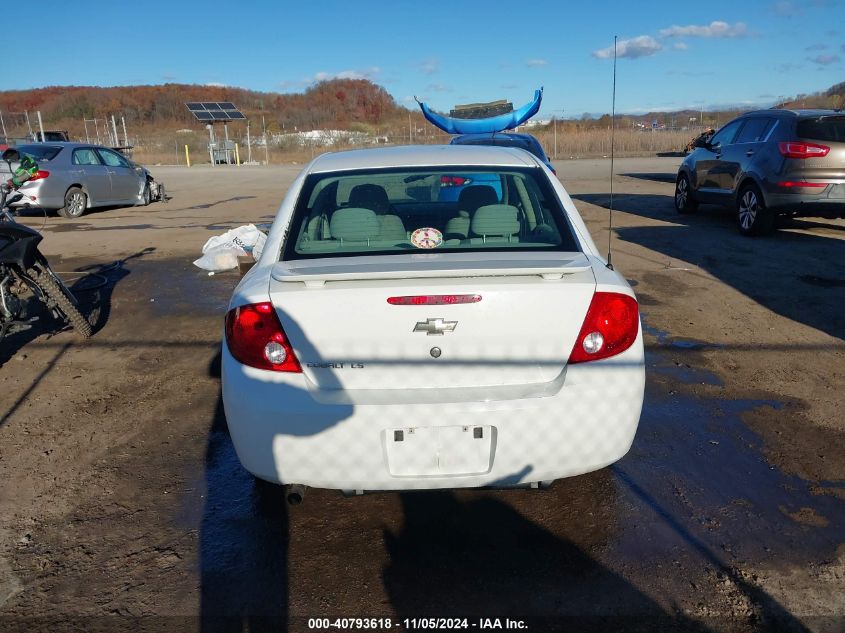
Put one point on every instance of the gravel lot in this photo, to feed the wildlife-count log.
(122, 496)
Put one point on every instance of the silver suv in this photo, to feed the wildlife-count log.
(769, 163)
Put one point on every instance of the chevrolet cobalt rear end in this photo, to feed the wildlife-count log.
(391, 340)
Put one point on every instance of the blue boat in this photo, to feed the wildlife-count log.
(490, 125)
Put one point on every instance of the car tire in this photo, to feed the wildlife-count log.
(753, 218)
(76, 202)
(684, 202)
(146, 197)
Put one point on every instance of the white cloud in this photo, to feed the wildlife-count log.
(368, 73)
(439, 88)
(429, 66)
(680, 46)
(641, 46)
(716, 28)
(824, 60)
(536, 63)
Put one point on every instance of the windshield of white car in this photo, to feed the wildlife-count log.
(39, 152)
(428, 209)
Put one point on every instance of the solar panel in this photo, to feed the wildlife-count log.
(215, 111)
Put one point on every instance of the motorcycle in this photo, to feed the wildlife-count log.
(23, 267)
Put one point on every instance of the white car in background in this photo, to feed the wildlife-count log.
(388, 340)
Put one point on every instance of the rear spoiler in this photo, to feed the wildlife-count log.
(316, 272)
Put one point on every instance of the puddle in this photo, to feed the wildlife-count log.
(664, 339)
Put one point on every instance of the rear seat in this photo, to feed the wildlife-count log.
(495, 223)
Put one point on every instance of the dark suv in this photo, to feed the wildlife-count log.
(769, 163)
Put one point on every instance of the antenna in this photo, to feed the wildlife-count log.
(612, 148)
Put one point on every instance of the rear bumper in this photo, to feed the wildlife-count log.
(42, 194)
(282, 434)
(829, 202)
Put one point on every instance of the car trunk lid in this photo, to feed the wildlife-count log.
(347, 336)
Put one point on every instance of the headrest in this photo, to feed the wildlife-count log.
(369, 197)
(353, 223)
(495, 220)
(476, 196)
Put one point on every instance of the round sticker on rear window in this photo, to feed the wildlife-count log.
(426, 238)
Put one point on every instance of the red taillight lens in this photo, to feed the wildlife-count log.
(454, 181)
(433, 300)
(610, 327)
(39, 175)
(255, 337)
(790, 184)
(792, 149)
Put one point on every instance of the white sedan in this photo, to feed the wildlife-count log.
(430, 317)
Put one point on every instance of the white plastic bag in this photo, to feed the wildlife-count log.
(221, 252)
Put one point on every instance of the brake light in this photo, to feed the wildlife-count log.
(791, 183)
(255, 337)
(792, 149)
(610, 327)
(39, 175)
(454, 181)
(433, 300)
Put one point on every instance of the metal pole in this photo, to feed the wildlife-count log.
(226, 138)
(125, 136)
(114, 128)
(85, 123)
(28, 124)
(3, 125)
(248, 144)
(555, 121)
(266, 142)
(211, 143)
(410, 133)
(41, 127)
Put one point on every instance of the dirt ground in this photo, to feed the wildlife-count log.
(123, 505)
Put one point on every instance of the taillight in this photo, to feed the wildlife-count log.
(432, 300)
(791, 184)
(454, 181)
(794, 149)
(255, 337)
(610, 327)
(39, 175)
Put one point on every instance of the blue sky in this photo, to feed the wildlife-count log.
(672, 54)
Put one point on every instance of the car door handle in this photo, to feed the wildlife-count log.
(749, 153)
(718, 157)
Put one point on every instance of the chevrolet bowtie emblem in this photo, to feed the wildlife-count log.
(435, 327)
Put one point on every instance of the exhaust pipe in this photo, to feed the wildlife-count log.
(294, 493)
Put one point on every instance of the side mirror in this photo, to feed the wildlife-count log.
(11, 155)
(702, 142)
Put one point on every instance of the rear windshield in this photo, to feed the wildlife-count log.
(40, 152)
(529, 145)
(457, 209)
(825, 128)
